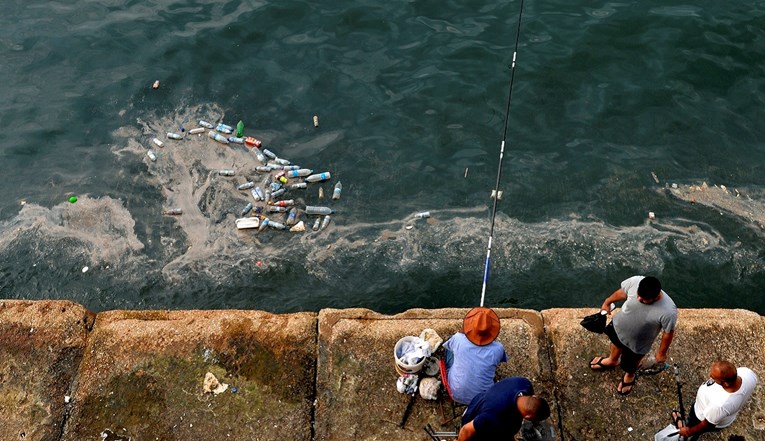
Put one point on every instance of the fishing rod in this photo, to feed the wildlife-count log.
(501, 156)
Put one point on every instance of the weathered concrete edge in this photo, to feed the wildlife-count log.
(332, 316)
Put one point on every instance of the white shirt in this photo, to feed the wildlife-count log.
(719, 407)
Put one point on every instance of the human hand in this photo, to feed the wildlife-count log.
(684, 431)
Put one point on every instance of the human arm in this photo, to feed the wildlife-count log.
(666, 340)
(466, 432)
(694, 430)
(618, 296)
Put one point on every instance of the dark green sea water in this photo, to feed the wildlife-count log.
(410, 94)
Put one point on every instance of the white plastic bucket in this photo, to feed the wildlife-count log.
(397, 353)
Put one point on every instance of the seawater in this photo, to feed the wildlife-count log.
(412, 99)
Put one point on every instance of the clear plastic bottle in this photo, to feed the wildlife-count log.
(299, 173)
(275, 166)
(217, 137)
(276, 209)
(318, 177)
(247, 208)
(292, 217)
(158, 143)
(246, 185)
(151, 155)
(174, 212)
(236, 140)
(261, 157)
(311, 209)
(321, 193)
(285, 203)
(277, 225)
(278, 192)
(205, 124)
(259, 192)
(292, 167)
(172, 135)
(269, 153)
(316, 224)
(226, 172)
(255, 195)
(325, 222)
(264, 223)
(196, 130)
(423, 215)
(338, 189)
(298, 186)
(263, 168)
(223, 128)
(282, 161)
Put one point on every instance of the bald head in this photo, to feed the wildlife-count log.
(533, 408)
(724, 372)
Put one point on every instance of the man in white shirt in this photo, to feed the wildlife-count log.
(718, 400)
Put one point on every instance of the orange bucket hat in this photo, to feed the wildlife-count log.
(481, 326)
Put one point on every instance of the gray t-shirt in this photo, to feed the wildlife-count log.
(637, 324)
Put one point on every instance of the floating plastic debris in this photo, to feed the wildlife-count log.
(298, 227)
(151, 155)
(155, 85)
(197, 130)
(423, 215)
(158, 143)
(174, 212)
(319, 177)
(218, 137)
(312, 209)
(316, 120)
(336, 192)
(172, 135)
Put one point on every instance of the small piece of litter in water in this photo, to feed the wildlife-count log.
(651, 215)
(316, 120)
(85, 269)
(655, 178)
(466, 170)
(155, 85)
(73, 199)
(259, 263)
(409, 227)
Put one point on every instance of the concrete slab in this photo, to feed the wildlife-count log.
(143, 372)
(356, 378)
(41, 345)
(589, 405)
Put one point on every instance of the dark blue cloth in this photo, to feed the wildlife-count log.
(494, 413)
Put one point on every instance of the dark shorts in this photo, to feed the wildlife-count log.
(629, 360)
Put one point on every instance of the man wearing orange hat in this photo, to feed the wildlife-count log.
(472, 356)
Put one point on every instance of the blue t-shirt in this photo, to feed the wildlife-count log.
(473, 369)
(494, 413)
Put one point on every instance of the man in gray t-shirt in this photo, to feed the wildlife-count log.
(646, 312)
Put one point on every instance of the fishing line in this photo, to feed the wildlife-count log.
(501, 156)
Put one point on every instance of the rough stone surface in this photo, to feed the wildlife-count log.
(590, 407)
(138, 375)
(143, 371)
(356, 381)
(41, 345)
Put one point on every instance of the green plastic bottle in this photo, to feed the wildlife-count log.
(239, 129)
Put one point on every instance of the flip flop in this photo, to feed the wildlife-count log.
(598, 361)
(622, 385)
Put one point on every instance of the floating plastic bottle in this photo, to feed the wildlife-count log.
(217, 137)
(311, 209)
(157, 142)
(205, 124)
(277, 225)
(321, 193)
(301, 172)
(239, 129)
(259, 192)
(255, 195)
(282, 161)
(285, 203)
(263, 224)
(260, 156)
(263, 168)
(278, 192)
(246, 185)
(338, 189)
(423, 215)
(318, 177)
(247, 208)
(223, 128)
(276, 209)
(275, 186)
(317, 224)
(292, 217)
(174, 212)
(299, 185)
(151, 155)
(236, 140)
(292, 167)
(268, 196)
(269, 153)
(226, 172)
(172, 135)
(324, 223)
(197, 130)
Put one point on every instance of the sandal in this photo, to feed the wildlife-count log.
(629, 384)
(598, 361)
